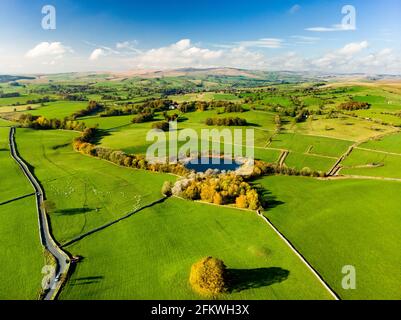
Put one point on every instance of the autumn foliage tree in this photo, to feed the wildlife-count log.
(209, 276)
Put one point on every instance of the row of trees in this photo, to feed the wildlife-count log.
(92, 108)
(354, 105)
(262, 168)
(227, 106)
(226, 122)
(85, 144)
(42, 123)
(10, 95)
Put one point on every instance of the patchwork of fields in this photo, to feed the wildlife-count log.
(351, 218)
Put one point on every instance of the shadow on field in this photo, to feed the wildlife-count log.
(3, 149)
(73, 211)
(269, 201)
(86, 280)
(60, 146)
(255, 278)
(100, 134)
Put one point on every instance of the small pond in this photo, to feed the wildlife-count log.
(204, 164)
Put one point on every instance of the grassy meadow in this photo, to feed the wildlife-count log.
(342, 222)
(22, 255)
(149, 256)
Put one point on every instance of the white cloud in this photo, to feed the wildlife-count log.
(128, 45)
(96, 54)
(294, 9)
(179, 54)
(333, 28)
(272, 43)
(47, 49)
(353, 48)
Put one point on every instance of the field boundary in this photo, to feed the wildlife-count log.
(17, 198)
(109, 224)
(300, 256)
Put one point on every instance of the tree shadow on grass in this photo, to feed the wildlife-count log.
(240, 280)
(86, 280)
(268, 200)
(73, 211)
(100, 134)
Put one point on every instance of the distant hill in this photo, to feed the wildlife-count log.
(8, 78)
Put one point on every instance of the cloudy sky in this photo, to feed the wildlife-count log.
(103, 35)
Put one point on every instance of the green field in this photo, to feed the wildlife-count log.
(371, 163)
(22, 255)
(149, 256)
(338, 223)
(87, 192)
(59, 109)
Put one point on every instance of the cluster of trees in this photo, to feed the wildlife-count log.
(40, 100)
(233, 107)
(219, 189)
(226, 122)
(227, 106)
(354, 105)
(92, 108)
(143, 117)
(75, 97)
(158, 105)
(262, 168)
(42, 123)
(10, 95)
(162, 125)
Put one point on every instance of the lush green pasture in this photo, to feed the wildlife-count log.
(59, 109)
(22, 99)
(109, 123)
(346, 128)
(87, 192)
(6, 123)
(371, 163)
(300, 161)
(132, 137)
(312, 144)
(343, 222)
(22, 255)
(149, 256)
(391, 143)
(13, 182)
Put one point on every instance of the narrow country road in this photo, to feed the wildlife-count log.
(62, 259)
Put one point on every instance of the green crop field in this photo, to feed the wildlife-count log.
(58, 110)
(371, 163)
(338, 223)
(158, 246)
(87, 192)
(22, 256)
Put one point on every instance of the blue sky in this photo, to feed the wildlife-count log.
(273, 35)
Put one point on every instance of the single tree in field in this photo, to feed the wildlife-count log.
(209, 276)
(48, 206)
